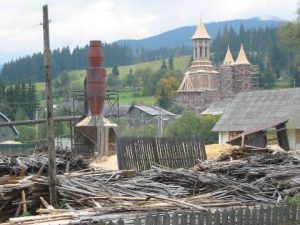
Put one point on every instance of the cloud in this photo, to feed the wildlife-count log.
(75, 22)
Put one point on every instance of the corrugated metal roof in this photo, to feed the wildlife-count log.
(153, 111)
(113, 110)
(254, 108)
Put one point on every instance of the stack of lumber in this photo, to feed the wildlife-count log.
(242, 176)
(13, 165)
(274, 173)
(11, 195)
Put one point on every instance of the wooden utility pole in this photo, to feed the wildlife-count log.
(50, 120)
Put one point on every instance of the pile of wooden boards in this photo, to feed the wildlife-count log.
(274, 174)
(243, 176)
(31, 164)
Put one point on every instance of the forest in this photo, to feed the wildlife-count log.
(262, 46)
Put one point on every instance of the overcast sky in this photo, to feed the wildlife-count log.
(75, 22)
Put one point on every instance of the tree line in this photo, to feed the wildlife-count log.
(32, 67)
(18, 101)
(263, 48)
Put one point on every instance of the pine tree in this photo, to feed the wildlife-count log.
(163, 65)
(171, 64)
(115, 71)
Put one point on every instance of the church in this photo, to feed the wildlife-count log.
(204, 84)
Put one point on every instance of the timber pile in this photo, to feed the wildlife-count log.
(242, 176)
(276, 174)
(14, 165)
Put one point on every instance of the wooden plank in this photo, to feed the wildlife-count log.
(217, 218)
(166, 219)
(209, 218)
(239, 216)
(247, 216)
(281, 214)
(254, 216)
(137, 220)
(183, 218)
(225, 218)
(232, 217)
(268, 215)
(200, 219)
(175, 219)
(261, 215)
(275, 215)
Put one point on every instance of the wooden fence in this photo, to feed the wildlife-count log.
(176, 152)
(269, 215)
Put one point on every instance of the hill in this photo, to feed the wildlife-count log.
(76, 78)
(182, 35)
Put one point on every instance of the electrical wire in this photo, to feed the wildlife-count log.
(19, 32)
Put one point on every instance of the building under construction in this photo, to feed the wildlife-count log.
(204, 84)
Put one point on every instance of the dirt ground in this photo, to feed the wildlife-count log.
(110, 163)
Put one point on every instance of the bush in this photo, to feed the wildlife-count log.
(191, 124)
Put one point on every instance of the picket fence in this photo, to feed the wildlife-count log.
(263, 215)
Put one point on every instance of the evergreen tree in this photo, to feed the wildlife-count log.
(115, 71)
(171, 64)
(163, 65)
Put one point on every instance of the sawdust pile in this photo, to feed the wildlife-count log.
(111, 163)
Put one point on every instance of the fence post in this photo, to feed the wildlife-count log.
(268, 215)
(239, 216)
(217, 217)
(224, 217)
(281, 214)
(254, 216)
(208, 218)
(166, 219)
(137, 220)
(175, 219)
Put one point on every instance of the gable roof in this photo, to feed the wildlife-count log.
(216, 108)
(153, 111)
(255, 108)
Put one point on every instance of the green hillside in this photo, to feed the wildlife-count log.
(126, 97)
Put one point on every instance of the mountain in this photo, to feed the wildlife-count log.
(182, 35)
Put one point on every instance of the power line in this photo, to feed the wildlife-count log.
(18, 32)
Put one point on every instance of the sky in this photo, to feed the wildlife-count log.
(75, 22)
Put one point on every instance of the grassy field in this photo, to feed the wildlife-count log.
(126, 96)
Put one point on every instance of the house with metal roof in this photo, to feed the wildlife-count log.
(249, 110)
(145, 115)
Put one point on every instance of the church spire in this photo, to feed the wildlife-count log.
(201, 32)
(242, 58)
(228, 58)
